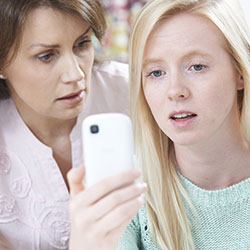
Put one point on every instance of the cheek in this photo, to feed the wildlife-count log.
(87, 58)
(225, 94)
(24, 73)
(20, 80)
(90, 57)
(156, 100)
(217, 103)
(152, 96)
(34, 87)
(86, 62)
(226, 101)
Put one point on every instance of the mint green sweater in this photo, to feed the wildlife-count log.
(224, 220)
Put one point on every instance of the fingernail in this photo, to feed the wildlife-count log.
(136, 172)
(141, 199)
(142, 185)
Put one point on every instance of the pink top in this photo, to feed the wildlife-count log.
(33, 194)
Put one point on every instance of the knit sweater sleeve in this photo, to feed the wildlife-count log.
(131, 237)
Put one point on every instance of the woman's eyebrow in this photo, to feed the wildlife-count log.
(189, 54)
(55, 46)
(88, 29)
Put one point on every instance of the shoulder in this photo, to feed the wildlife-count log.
(145, 232)
(111, 69)
(140, 223)
(137, 234)
(110, 75)
(109, 91)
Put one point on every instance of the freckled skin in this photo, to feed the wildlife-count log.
(188, 68)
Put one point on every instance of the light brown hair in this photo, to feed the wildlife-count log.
(13, 14)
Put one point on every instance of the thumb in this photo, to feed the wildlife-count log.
(75, 178)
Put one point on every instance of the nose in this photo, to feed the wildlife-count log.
(72, 71)
(177, 88)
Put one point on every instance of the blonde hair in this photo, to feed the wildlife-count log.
(166, 212)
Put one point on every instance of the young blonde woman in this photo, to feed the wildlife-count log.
(190, 79)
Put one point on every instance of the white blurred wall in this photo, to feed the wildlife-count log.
(246, 7)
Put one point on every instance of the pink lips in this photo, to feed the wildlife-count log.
(182, 119)
(73, 98)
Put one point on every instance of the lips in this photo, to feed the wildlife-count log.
(182, 116)
(71, 96)
(182, 119)
(73, 99)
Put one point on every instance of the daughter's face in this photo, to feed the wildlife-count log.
(50, 76)
(189, 79)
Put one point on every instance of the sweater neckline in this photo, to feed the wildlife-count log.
(225, 196)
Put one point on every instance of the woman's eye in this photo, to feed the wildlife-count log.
(46, 57)
(157, 73)
(82, 44)
(198, 67)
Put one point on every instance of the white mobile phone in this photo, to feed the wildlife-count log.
(107, 145)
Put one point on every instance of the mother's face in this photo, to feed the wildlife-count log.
(50, 76)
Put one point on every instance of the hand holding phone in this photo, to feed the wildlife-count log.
(107, 145)
(106, 208)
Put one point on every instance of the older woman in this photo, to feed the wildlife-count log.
(48, 85)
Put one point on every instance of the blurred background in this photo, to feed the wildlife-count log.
(246, 7)
(120, 17)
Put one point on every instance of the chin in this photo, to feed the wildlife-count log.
(185, 140)
(70, 113)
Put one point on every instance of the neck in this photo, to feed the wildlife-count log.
(220, 161)
(48, 130)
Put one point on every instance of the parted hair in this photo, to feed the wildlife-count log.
(165, 196)
(13, 14)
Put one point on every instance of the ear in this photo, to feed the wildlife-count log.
(2, 76)
(240, 83)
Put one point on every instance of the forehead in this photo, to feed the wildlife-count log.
(184, 32)
(47, 24)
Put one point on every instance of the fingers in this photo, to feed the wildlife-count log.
(116, 198)
(106, 186)
(121, 215)
(104, 210)
(75, 178)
